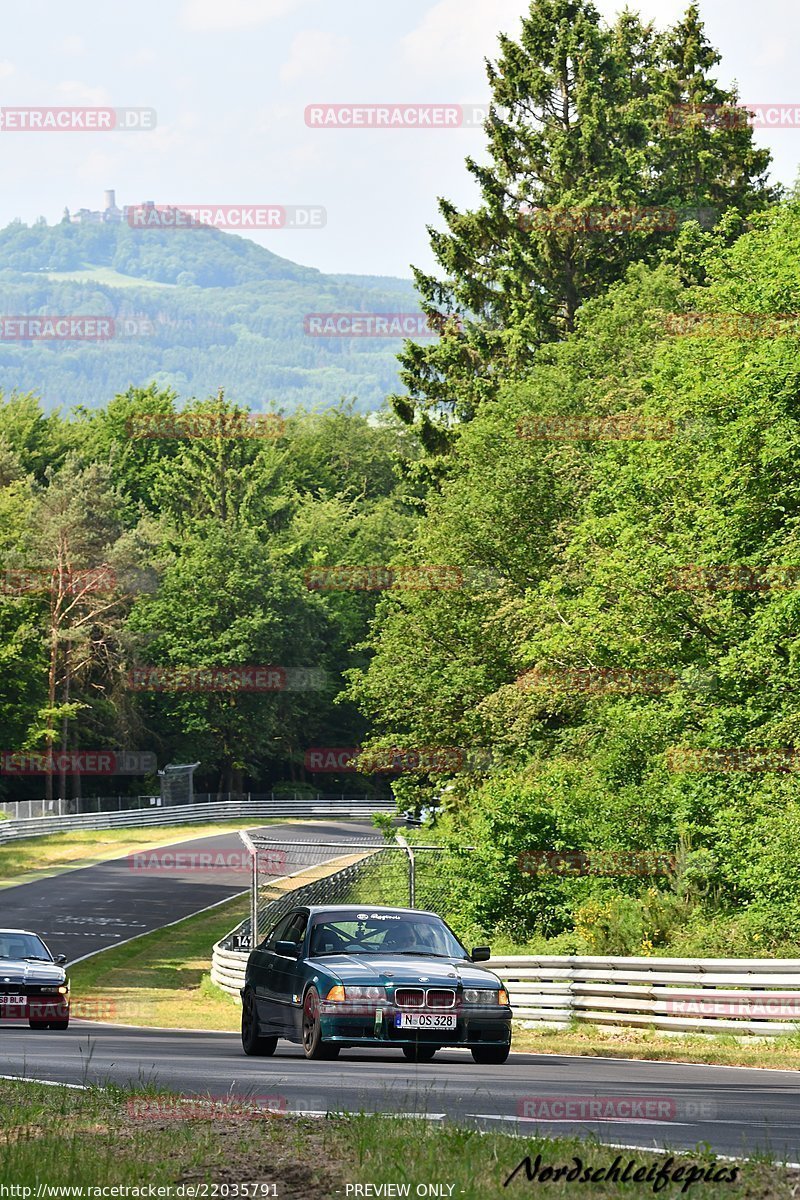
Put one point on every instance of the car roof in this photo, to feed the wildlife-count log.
(368, 908)
(29, 931)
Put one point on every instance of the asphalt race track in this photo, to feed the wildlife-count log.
(93, 908)
(736, 1111)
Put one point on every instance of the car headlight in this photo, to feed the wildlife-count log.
(485, 996)
(50, 990)
(338, 994)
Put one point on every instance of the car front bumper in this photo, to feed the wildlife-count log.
(377, 1025)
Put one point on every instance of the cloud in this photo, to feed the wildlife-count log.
(312, 52)
(457, 35)
(82, 93)
(205, 15)
(7, 68)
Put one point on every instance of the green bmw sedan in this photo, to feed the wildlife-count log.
(342, 975)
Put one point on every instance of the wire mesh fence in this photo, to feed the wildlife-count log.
(359, 871)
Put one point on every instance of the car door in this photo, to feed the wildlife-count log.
(261, 973)
(287, 975)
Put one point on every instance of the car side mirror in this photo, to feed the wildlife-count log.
(481, 954)
(60, 959)
(287, 949)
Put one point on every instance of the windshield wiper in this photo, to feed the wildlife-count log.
(328, 953)
(421, 953)
(36, 958)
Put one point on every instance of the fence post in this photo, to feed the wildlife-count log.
(253, 889)
(412, 883)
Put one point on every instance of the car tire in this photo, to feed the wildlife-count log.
(420, 1054)
(490, 1056)
(313, 1045)
(37, 1024)
(63, 1023)
(253, 1043)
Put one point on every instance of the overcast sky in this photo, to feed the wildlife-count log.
(230, 81)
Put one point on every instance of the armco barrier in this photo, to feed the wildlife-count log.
(716, 995)
(681, 995)
(194, 814)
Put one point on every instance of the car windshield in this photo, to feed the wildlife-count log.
(383, 933)
(23, 945)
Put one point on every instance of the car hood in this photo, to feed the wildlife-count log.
(406, 970)
(29, 974)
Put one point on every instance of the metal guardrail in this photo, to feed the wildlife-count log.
(193, 814)
(744, 996)
(712, 995)
(20, 810)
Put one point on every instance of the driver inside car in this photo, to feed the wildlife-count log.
(403, 938)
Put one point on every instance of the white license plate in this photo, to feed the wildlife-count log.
(14, 1001)
(425, 1021)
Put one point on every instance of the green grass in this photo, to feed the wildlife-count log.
(162, 979)
(114, 1136)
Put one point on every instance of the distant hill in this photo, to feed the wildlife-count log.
(199, 309)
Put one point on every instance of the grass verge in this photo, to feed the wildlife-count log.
(162, 978)
(41, 857)
(114, 1137)
(721, 1049)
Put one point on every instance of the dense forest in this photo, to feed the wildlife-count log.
(553, 595)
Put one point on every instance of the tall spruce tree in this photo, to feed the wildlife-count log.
(582, 118)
